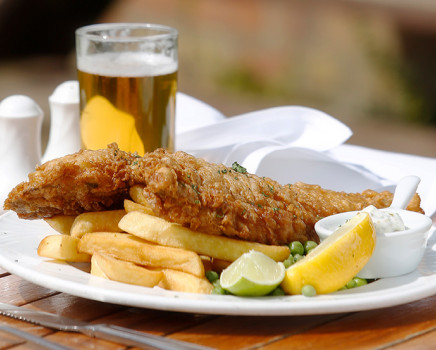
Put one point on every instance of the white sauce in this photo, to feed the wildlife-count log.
(385, 221)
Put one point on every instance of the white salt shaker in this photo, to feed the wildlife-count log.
(64, 137)
(20, 141)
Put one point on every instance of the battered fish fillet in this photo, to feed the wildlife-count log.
(180, 188)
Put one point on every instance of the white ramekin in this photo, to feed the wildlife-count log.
(395, 253)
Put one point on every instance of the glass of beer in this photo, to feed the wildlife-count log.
(127, 75)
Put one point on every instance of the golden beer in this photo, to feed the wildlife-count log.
(148, 100)
(127, 92)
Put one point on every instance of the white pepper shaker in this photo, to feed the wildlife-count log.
(20, 141)
(64, 137)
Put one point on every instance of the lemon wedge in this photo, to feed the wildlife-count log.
(101, 124)
(253, 273)
(336, 260)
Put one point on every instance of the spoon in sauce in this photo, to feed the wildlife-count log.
(404, 191)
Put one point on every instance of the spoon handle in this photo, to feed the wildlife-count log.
(405, 190)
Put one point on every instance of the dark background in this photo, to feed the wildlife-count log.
(369, 64)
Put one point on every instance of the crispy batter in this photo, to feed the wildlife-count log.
(206, 197)
(84, 181)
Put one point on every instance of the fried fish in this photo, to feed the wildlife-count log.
(178, 187)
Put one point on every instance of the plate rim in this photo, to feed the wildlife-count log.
(364, 298)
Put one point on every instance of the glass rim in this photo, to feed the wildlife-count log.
(86, 31)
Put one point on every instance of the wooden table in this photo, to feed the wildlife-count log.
(406, 326)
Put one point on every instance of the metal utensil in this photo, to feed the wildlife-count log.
(109, 332)
(46, 344)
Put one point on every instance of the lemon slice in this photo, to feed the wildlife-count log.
(253, 273)
(336, 260)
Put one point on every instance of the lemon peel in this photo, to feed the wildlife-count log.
(336, 260)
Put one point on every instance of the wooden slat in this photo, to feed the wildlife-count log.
(74, 307)
(14, 290)
(169, 322)
(9, 340)
(424, 341)
(77, 341)
(247, 332)
(367, 330)
(80, 341)
(147, 320)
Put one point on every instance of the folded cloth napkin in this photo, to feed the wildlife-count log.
(285, 143)
(239, 136)
(391, 167)
(194, 113)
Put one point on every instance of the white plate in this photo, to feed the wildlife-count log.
(19, 240)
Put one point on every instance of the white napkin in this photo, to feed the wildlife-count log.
(235, 138)
(286, 143)
(193, 113)
(391, 167)
(293, 164)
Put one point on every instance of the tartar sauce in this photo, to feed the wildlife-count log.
(385, 221)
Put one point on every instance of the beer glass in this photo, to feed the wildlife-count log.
(127, 75)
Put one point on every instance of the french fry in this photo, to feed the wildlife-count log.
(96, 270)
(160, 231)
(218, 265)
(211, 264)
(62, 247)
(99, 221)
(133, 206)
(207, 262)
(137, 194)
(61, 223)
(105, 266)
(130, 248)
(184, 282)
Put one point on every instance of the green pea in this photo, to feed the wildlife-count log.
(216, 283)
(212, 276)
(298, 257)
(309, 245)
(219, 290)
(277, 292)
(288, 262)
(360, 281)
(308, 290)
(351, 284)
(296, 248)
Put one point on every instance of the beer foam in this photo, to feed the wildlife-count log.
(127, 64)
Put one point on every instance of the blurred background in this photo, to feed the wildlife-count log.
(370, 64)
